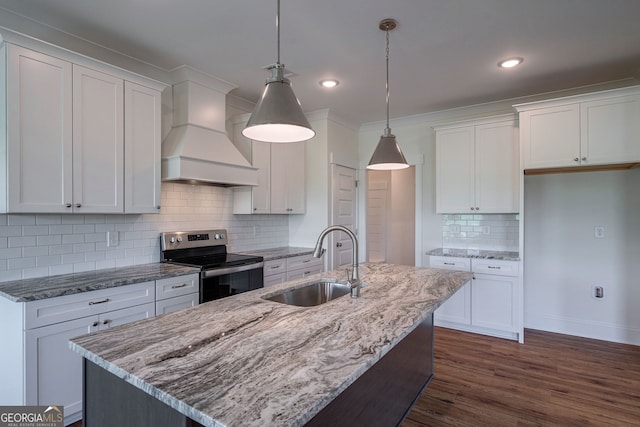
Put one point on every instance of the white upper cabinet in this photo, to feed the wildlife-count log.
(281, 180)
(477, 166)
(65, 136)
(38, 134)
(287, 178)
(142, 142)
(600, 128)
(98, 142)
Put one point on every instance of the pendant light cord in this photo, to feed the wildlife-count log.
(278, 29)
(388, 129)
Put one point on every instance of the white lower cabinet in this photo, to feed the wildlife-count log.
(282, 270)
(490, 304)
(176, 293)
(42, 369)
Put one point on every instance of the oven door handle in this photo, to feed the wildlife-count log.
(231, 270)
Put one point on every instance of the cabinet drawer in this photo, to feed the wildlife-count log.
(176, 286)
(274, 266)
(304, 261)
(68, 307)
(275, 279)
(177, 303)
(495, 267)
(450, 263)
(301, 273)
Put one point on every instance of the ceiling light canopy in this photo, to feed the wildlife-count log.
(278, 116)
(510, 63)
(387, 155)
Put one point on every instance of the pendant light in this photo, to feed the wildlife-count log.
(387, 155)
(278, 116)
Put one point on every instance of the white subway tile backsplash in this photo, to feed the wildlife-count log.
(79, 241)
(481, 231)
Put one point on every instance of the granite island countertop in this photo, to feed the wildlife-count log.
(245, 361)
(66, 284)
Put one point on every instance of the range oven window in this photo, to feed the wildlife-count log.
(219, 286)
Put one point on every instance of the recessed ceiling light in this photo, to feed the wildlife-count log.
(510, 63)
(330, 83)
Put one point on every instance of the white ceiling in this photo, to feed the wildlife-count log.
(443, 53)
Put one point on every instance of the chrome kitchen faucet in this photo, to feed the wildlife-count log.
(354, 281)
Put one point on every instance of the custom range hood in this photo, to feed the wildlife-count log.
(197, 149)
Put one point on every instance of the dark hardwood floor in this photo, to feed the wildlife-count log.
(551, 380)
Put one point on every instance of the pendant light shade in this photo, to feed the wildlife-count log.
(278, 116)
(387, 155)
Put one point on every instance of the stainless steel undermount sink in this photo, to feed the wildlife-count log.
(313, 293)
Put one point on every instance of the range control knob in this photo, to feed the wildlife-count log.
(179, 239)
(172, 240)
(222, 235)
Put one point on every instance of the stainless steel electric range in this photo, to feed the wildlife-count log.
(222, 274)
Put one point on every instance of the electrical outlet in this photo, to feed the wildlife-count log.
(598, 292)
(112, 238)
(486, 230)
(599, 232)
(454, 228)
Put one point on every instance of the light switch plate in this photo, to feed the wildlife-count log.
(599, 232)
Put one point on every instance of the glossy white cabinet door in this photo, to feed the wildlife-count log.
(127, 315)
(142, 143)
(176, 303)
(39, 110)
(98, 142)
(457, 309)
(261, 195)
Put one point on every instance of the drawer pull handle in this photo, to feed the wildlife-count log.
(306, 260)
(449, 263)
(99, 302)
(274, 267)
(492, 267)
(94, 324)
(306, 273)
(179, 286)
(106, 322)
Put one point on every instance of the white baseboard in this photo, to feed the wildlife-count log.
(624, 334)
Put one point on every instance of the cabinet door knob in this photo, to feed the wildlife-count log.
(255, 209)
(78, 205)
(471, 207)
(575, 159)
(584, 159)
(68, 205)
(158, 207)
(94, 324)
(106, 322)
(338, 245)
(477, 208)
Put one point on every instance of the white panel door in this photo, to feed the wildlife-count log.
(343, 212)
(142, 142)
(39, 132)
(98, 142)
(377, 195)
(494, 302)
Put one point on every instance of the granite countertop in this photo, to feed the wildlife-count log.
(245, 361)
(282, 252)
(67, 284)
(473, 253)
